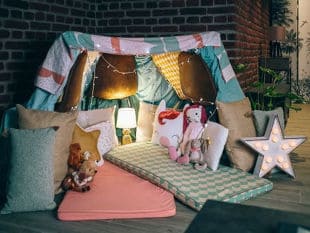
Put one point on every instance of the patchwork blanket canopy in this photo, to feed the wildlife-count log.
(53, 74)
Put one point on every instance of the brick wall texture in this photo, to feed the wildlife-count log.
(29, 27)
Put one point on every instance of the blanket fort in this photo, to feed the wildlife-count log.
(53, 73)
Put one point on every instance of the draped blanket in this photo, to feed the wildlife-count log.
(53, 74)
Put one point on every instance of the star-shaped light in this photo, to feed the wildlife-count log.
(273, 148)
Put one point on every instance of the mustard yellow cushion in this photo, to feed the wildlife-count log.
(88, 141)
(237, 117)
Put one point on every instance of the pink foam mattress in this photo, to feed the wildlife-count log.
(117, 194)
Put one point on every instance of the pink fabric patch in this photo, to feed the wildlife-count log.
(117, 194)
(45, 73)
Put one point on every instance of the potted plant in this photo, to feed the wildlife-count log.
(269, 95)
(280, 13)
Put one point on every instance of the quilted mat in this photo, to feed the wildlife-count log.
(190, 186)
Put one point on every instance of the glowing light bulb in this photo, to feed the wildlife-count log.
(280, 159)
(257, 145)
(275, 139)
(265, 147)
(292, 143)
(268, 159)
(275, 131)
(264, 167)
(284, 146)
(285, 165)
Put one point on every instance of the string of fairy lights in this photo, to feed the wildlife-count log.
(114, 69)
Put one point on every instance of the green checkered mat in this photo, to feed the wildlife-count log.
(190, 186)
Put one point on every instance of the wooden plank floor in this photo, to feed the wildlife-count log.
(288, 194)
(292, 194)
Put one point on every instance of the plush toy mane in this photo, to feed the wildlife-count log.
(168, 114)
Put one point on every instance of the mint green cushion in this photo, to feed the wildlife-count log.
(30, 181)
(261, 119)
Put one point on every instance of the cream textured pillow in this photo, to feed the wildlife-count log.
(92, 117)
(33, 119)
(237, 117)
(95, 116)
(146, 117)
(106, 139)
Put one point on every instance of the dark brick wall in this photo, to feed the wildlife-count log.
(28, 27)
(27, 30)
(251, 38)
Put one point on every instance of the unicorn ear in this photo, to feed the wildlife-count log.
(161, 107)
(185, 106)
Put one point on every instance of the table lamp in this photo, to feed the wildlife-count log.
(126, 120)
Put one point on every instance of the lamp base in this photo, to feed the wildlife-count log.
(126, 139)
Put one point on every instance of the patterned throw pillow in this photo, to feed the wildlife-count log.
(31, 176)
(33, 119)
(106, 139)
(237, 117)
(217, 136)
(95, 116)
(92, 117)
(170, 128)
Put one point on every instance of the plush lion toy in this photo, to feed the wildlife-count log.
(75, 158)
(79, 180)
(81, 170)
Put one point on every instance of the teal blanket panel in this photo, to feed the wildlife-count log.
(78, 40)
(152, 86)
(226, 91)
(162, 45)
